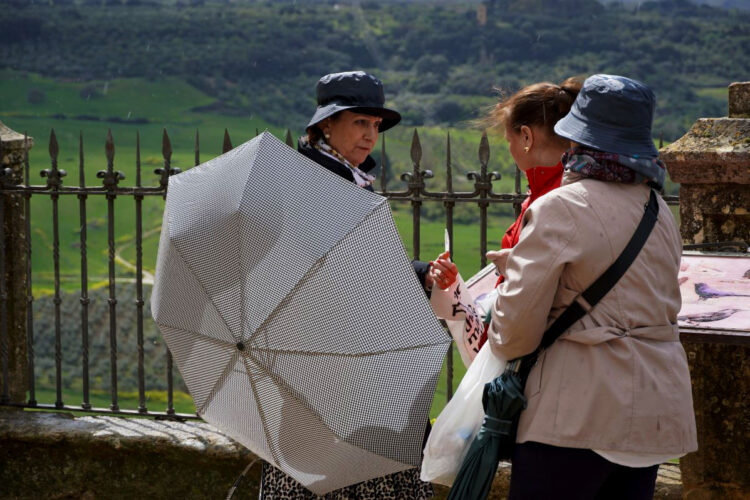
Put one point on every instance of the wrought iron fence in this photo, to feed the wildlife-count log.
(416, 193)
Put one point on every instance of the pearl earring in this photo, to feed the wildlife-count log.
(526, 149)
(327, 135)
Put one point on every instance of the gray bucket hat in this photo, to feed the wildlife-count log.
(612, 114)
(356, 91)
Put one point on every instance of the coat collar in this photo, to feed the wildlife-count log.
(543, 179)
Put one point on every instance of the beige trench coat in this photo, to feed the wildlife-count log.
(618, 378)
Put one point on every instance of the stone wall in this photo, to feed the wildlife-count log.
(56, 455)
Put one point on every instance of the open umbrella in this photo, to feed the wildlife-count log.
(502, 400)
(288, 342)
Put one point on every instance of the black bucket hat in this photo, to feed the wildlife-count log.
(356, 91)
(612, 114)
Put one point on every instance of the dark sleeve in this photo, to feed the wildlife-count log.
(421, 268)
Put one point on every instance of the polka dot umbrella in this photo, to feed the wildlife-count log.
(287, 339)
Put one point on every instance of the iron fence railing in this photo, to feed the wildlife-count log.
(415, 193)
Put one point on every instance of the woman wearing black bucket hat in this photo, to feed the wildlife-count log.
(610, 399)
(343, 131)
(345, 127)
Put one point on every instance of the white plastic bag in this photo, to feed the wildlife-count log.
(460, 420)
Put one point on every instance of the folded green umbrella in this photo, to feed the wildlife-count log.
(502, 400)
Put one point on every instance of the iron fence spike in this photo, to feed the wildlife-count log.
(484, 151)
(166, 146)
(227, 146)
(53, 147)
(383, 166)
(137, 158)
(448, 166)
(416, 150)
(81, 172)
(197, 148)
(109, 148)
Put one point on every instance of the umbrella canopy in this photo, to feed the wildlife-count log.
(288, 336)
(502, 400)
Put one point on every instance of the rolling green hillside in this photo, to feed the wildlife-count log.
(439, 60)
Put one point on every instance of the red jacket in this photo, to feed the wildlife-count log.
(542, 180)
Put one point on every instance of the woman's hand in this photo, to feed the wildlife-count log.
(499, 258)
(442, 272)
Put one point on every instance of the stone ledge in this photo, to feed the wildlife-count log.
(715, 150)
(12, 139)
(56, 455)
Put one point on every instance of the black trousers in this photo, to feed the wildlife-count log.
(541, 471)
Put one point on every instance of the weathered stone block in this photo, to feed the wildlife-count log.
(721, 394)
(12, 156)
(715, 150)
(714, 212)
(739, 100)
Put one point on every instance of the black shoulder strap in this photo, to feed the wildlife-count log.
(593, 294)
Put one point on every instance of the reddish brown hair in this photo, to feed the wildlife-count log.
(541, 104)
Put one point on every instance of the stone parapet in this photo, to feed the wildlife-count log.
(712, 164)
(56, 455)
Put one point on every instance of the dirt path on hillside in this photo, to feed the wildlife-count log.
(148, 278)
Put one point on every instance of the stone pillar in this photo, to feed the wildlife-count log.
(712, 164)
(15, 263)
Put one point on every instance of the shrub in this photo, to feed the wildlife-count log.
(36, 96)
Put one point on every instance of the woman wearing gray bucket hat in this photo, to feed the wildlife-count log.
(610, 399)
(343, 131)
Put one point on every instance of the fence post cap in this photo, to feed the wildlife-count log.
(12, 139)
(739, 100)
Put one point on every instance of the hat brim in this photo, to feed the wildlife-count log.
(389, 116)
(605, 138)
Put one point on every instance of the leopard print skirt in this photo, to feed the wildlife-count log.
(405, 485)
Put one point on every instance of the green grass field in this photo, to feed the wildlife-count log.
(156, 401)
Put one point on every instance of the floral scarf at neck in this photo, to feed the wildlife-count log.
(363, 179)
(612, 167)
